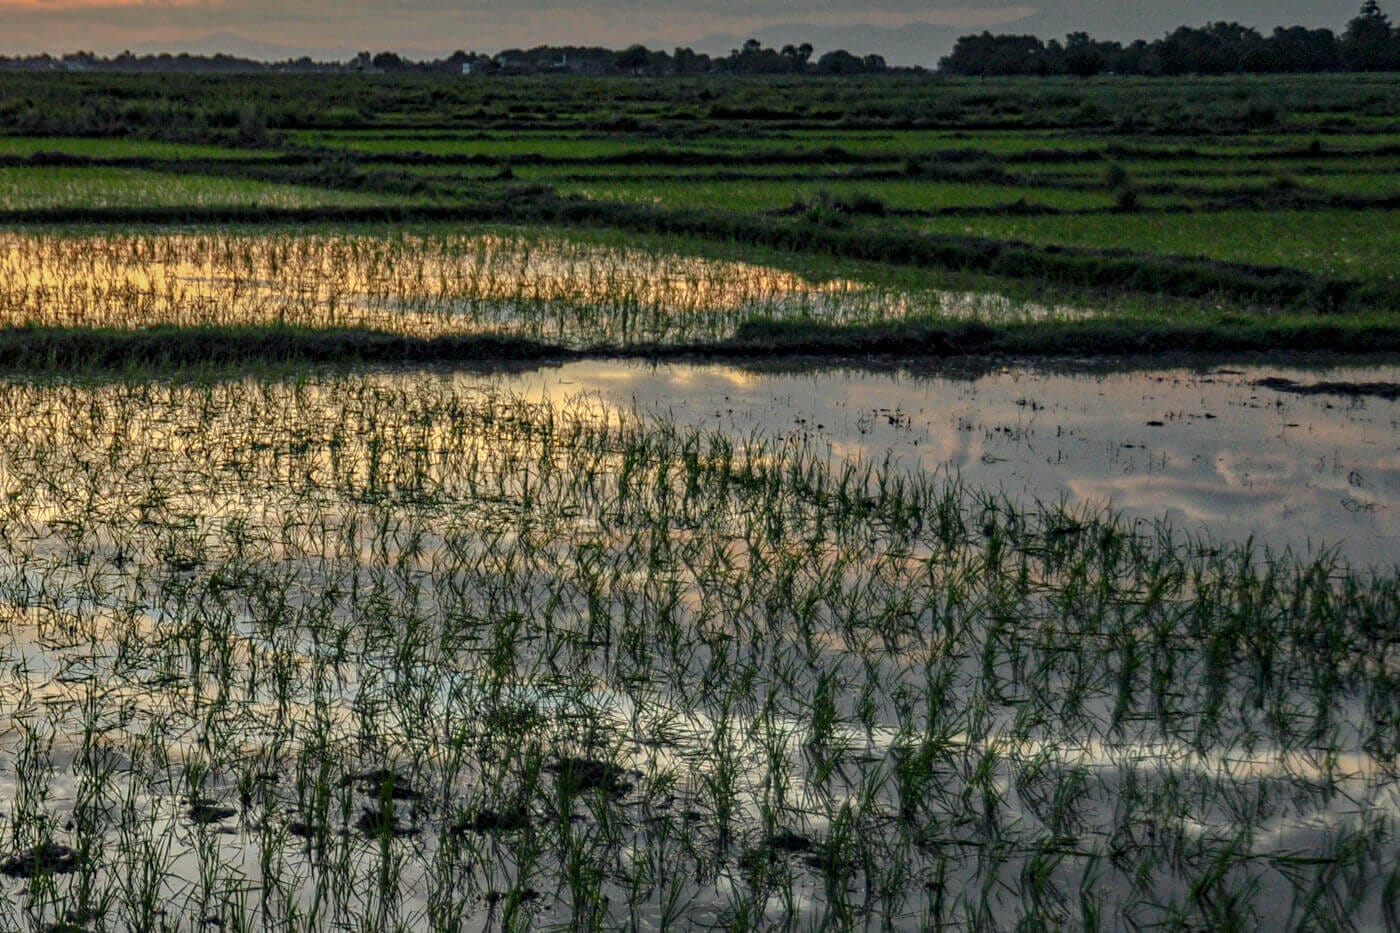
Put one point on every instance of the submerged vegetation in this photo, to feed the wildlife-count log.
(400, 653)
(1263, 199)
(512, 283)
(192, 298)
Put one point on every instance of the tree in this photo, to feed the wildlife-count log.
(685, 61)
(797, 55)
(754, 58)
(996, 56)
(633, 58)
(1085, 57)
(1139, 57)
(1218, 49)
(1370, 43)
(840, 62)
(388, 61)
(1296, 49)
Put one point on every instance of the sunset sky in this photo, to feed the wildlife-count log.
(908, 31)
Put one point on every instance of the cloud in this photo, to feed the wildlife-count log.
(442, 25)
(439, 25)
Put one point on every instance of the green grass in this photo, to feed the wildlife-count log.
(1369, 184)
(894, 145)
(102, 300)
(1253, 169)
(1340, 140)
(100, 148)
(771, 194)
(553, 147)
(55, 187)
(325, 137)
(608, 174)
(900, 143)
(451, 172)
(1345, 244)
(385, 648)
(167, 350)
(795, 166)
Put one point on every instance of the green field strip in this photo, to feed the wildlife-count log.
(61, 187)
(1346, 244)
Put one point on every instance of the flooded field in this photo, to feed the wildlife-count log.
(823, 636)
(1224, 453)
(571, 293)
(421, 649)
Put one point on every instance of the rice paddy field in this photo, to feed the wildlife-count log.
(716, 503)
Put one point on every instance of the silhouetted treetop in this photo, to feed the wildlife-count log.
(1370, 43)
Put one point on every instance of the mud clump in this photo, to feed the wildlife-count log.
(382, 823)
(383, 784)
(206, 812)
(1389, 391)
(510, 820)
(575, 775)
(521, 896)
(46, 859)
(786, 840)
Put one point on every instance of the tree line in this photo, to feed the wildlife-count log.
(752, 58)
(1369, 43)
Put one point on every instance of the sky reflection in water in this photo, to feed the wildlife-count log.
(1208, 449)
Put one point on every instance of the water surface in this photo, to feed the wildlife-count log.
(388, 649)
(1207, 448)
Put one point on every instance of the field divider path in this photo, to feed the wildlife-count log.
(62, 349)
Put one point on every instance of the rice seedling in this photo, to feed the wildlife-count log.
(769, 194)
(403, 653)
(101, 187)
(397, 652)
(115, 148)
(566, 292)
(1356, 244)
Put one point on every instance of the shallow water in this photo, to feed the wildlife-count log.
(541, 287)
(1208, 449)
(224, 609)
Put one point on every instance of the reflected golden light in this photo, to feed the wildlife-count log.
(310, 579)
(431, 286)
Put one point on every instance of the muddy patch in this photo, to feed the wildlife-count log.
(46, 859)
(1390, 391)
